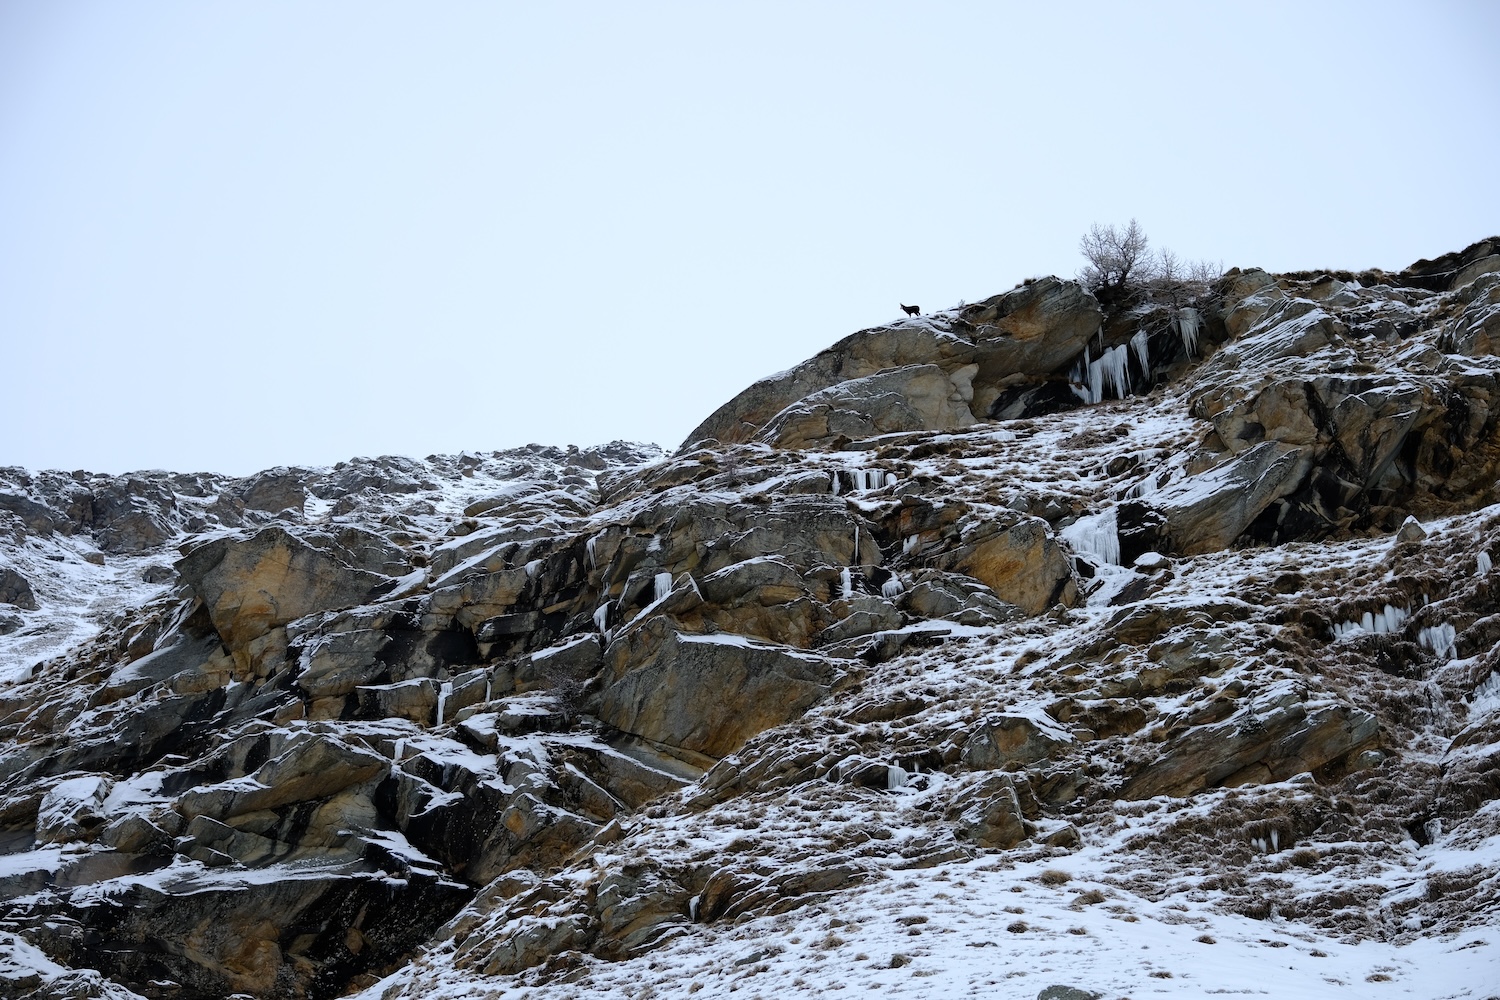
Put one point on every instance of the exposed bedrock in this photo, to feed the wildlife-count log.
(933, 373)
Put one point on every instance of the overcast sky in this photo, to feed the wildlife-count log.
(235, 235)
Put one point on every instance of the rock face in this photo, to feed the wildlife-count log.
(919, 617)
(250, 586)
(15, 590)
(707, 694)
(937, 372)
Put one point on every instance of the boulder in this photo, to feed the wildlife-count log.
(133, 515)
(15, 590)
(1007, 742)
(1018, 559)
(1028, 332)
(1207, 512)
(706, 694)
(251, 585)
(274, 490)
(914, 398)
(73, 809)
(1288, 739)
(992, 818)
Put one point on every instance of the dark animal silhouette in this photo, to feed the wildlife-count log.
(910, 310)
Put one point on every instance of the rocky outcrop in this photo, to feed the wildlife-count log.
(1287, 739)
(706, 694)
(15, 590)
(934, 373)
(406, 727)
(255, 584)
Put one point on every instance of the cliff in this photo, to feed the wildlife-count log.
(1036, 642)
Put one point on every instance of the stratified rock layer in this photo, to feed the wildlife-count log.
(1205, 583)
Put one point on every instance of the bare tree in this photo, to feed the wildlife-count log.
(1120, 260)
(1114, 256)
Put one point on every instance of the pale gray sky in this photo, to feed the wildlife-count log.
(239, 234)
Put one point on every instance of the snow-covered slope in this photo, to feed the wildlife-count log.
(1175, 676)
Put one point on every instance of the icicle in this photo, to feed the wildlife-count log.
(891, 479)
(1482, 563)
(847, 579)
(588, 550)
(397, 749)
(1079, 380)
(837, 486)
(601, 617)
(1096, 535)
(1142, 352)
(663, 585)
(1188, 323)
(1275, 840)
(892, 588)
(533, 567)
(855, 560)
(489, 683)
(910, 544)
(895, 777)
(1112, 370)
(1440, 639)
(693, 908)
(442, 705)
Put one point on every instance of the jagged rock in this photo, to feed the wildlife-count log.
(863, 615)
(917, 397)
(573, 662)
(15, 590)
(706, 694)
(310, 769)
(1476, 330)
(1019, 561)
(335, 664)
(136, 515)
(993, 819)
(633, 905)
(1207, 512)
(275, 490)
(1025, 333)
(36, 517)
(72, 809)
(253, 585)
(1012, 741)
(960, 598)
(1286, 740)
(10, 622)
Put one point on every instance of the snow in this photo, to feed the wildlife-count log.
(997, 928)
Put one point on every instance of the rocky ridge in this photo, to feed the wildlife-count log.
(1194, 596)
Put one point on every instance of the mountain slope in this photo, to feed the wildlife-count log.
(1129, 649)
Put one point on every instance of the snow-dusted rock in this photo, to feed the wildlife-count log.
(15, 590)
(253, 585)
(706, 695)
